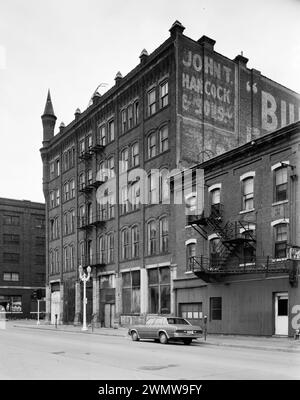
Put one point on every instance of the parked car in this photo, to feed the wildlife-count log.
(164, 329)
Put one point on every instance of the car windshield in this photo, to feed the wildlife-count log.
(178, 321)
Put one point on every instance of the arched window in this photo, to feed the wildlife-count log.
(72, 256)
(164, 235)
(190, 254)
(125, 244)
(163, 139)
(65, 258)
(135, 154)
(66, 223)
(110, 248)
(152, 237)
(215, 248)
(124, 160)
(164, 190)
(135, 241)
(102, 250)
(152, 146)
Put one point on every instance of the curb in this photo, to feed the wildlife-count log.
(70, 331)
(239, 346)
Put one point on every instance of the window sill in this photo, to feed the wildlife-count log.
(188, 272)
(247, 211)
(156, 156)
(278, 203)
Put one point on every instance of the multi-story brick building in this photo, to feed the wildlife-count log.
(22, 255)
(182, 104)
(238, 256)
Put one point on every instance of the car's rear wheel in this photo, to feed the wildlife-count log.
(134, 336)
(163, 338)
(187, 341)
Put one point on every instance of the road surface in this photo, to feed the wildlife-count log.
(40, 354)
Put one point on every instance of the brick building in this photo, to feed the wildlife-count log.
(238, 255)
(22, 255)
(182, 104)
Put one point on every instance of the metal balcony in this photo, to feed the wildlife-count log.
(86, 154)
(94, 260)
(216, 268)
(88, 222)
(86, 187)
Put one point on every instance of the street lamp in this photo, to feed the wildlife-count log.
(84, 278)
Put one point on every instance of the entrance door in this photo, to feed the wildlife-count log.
(55, 306)
(281, 314)
(109, 315)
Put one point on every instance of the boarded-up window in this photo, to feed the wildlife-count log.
(215, 308)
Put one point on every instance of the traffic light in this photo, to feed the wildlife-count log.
(34, 295)
(39, 294)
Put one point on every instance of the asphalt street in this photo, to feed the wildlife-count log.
(40, 354)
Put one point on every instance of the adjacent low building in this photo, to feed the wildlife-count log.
(238, 256)
(22, 256)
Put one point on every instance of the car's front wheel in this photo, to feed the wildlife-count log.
(134, 336)
(163, 338)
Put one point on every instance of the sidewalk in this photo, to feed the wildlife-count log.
(236, 341)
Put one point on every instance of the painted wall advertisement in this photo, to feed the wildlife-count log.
(208, 88)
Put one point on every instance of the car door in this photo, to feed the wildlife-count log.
(145, 330)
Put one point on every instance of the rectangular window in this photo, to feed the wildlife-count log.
(57, 197)
(89, 141)
(281, 184)
(153, 185)
(11, 220)
(131, 292)
(247, 194)
(159, 290)
(152, 102)
(136, 113)
(124, 200)
(11, 258)
(82, 147)
(57, 168)
(11, 239)
(72, 184)
(52, 170)
(164, 94)
(281, 235)
(11, 276)
(215, 308)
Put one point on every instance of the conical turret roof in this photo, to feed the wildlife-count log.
(49, 106)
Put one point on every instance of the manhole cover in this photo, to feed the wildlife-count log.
(58, 352)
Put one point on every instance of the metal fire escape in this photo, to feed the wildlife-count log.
(227, 258)
(88, 187)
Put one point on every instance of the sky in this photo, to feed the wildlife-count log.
(73, 46)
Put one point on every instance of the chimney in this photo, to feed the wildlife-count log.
(207, 42)
(118, 78)
(96, 97)
(143, 56)
(61, 127)
(176, 28)
(241, 60)
(77, 113)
